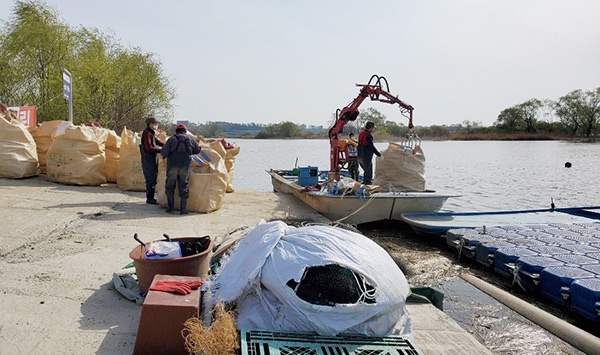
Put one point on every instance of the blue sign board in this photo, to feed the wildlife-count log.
(66, 84)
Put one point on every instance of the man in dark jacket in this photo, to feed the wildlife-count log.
(366, 149)
(178, 151)
(149, 148)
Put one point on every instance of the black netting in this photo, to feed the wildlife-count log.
(193, 247)
(330, 285)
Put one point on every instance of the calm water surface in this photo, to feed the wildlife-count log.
(490, 175)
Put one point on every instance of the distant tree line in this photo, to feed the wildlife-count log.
(112, 85)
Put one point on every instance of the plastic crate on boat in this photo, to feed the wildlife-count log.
(505, 258)
(261, 342)
(529, 269)
(585, 298)
(556, 282)
(308, 176)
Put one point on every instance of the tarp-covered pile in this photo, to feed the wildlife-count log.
(317, 279)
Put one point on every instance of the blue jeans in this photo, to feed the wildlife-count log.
(179, 176)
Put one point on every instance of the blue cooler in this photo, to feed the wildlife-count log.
(308, 176)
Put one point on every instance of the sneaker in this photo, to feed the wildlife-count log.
(151, 202)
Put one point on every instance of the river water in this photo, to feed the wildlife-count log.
(489, 175)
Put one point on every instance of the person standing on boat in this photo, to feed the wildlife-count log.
(366, 149)
(149, 148)
(352, 157)
(178, 151)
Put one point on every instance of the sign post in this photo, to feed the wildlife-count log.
(67, 91)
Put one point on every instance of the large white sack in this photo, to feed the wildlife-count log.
(256, 273)
(77, 156)
(401, 168)
(18, 154)
(207, 183)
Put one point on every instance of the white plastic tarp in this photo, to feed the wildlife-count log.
(256, 273)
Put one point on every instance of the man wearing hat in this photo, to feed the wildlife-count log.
(178, 151)
(366, 149)
(149, 148)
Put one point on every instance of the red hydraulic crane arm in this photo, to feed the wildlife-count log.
(375, 92)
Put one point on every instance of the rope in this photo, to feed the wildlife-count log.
(461, 244)
(355, 212)
(517, 277)
(364, 293)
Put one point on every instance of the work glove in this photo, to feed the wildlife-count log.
(378, 154)
(180, 287)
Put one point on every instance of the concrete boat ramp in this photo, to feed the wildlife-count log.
(59, 247)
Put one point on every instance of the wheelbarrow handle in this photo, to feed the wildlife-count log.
(135, 236)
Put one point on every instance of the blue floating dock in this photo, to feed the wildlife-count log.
(556, 282)
(585, 298)
(529, 269)
(550, 250)
(505, 259)
(484, 252)
(470, 243)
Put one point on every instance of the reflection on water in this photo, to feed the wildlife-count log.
(490, 175)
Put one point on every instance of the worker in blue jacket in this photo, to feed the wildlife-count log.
(366, 149)
(178, 151)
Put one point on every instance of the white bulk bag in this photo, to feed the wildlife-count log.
(258, 270)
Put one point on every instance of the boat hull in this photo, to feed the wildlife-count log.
(440, 222)
(352, 209)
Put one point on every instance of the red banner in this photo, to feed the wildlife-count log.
(27, 114)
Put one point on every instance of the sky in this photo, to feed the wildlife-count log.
(270, 61)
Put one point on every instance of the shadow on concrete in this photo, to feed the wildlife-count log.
(107, 310)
